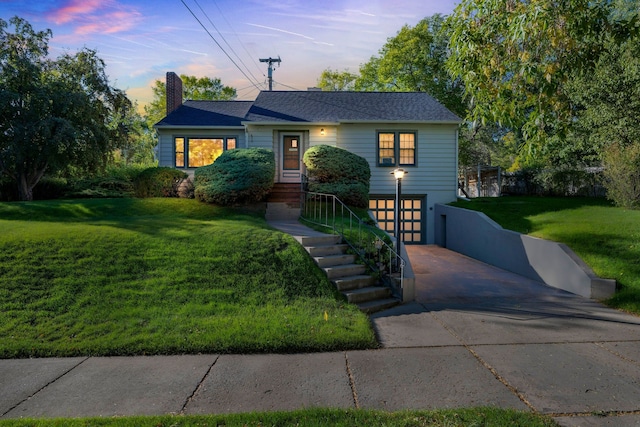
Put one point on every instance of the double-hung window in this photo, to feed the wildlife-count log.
(396, 148)
(196, 152)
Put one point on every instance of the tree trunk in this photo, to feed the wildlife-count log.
(25, 191)
(28, 181)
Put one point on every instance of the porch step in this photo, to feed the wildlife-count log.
(326, 240)
(330, 254)
(334, 260)
(285, 193)
(338, 271)
(315, 251)
(377, 305)
(354, 282)
(371, 293)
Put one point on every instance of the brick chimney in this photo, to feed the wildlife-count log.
(174, 92)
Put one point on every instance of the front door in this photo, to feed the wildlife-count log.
(290, 161)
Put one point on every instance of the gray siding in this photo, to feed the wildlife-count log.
(435, 173)
(435, 170)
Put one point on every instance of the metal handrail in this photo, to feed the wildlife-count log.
(366, 241)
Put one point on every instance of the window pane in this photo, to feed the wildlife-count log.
(407, 149)
(386, 149)
(179, 152)
(203, 151)
(231, 143)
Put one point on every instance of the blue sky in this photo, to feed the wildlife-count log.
(140, 40)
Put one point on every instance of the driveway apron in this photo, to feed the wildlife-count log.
(555, 352)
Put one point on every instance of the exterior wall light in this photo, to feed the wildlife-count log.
(322, 131)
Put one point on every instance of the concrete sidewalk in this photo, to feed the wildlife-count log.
(476, 336)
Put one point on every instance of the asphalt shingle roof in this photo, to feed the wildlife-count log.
(316, 106)
(313, 107)
(208, 113)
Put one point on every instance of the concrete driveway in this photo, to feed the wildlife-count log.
(554, 352)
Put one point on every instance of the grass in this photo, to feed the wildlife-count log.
(314, 418)
(161, 276)
(607, 238)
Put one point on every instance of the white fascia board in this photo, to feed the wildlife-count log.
(401, 122)
(160, 128)
(295, 124)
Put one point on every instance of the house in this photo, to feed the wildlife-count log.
(390, 129)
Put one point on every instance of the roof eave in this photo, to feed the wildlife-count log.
(424, 122)
(287, 123)
(208, 127)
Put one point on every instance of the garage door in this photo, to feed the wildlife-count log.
(413, 216)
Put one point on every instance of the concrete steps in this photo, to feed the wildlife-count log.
(349, 278)
(283, 202)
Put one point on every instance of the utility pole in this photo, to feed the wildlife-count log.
(270, 60)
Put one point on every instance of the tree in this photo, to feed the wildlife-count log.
(193, 88)
(135, 138)
(415, 60)
(515, 58)
(607, 99)
(337, 80)
(54, 114)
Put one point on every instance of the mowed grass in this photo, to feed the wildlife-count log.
(161, 276)
(314, 418)
(607, 238)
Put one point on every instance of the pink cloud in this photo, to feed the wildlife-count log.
(74, 9)
(96, 16)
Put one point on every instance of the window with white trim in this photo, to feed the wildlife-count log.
(196, 152)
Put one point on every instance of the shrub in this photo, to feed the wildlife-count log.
(159, 182)
(336, 171)
(115, 181)
(50, 188)
(102, 186)
(353, 194)
(8, 189)
(239, 176)
(622, 174)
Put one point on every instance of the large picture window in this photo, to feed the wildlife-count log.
(197, 152)
(396, 149)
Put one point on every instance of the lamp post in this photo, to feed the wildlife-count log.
(398, 173)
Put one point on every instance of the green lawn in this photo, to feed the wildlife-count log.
(605, 237)
(161, 276)
(314, 418)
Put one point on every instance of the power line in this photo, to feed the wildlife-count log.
(221, 48)
(290, 87)
(225, 40)
(232, 28)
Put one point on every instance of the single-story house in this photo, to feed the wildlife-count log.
(410, 130)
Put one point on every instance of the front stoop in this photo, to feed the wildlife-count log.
(349, 278)
(283, 202)
(281, 212)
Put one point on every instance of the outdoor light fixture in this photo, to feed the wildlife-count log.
(322, 131)
(399, 174)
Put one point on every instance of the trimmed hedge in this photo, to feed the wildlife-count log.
(159, 182)
(240, 176)
(336, 171)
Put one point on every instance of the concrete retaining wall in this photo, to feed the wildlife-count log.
(474, 234)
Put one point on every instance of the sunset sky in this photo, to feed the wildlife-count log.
(140, 40)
